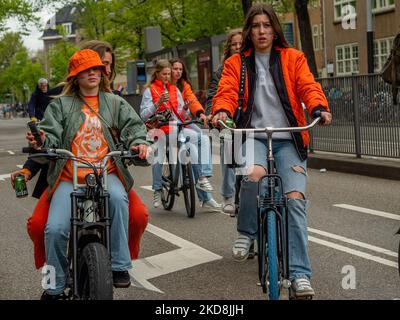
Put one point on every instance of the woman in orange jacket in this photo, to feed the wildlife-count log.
(179, 76)
(277, 80)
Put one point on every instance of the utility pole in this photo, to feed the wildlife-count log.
(370, 38)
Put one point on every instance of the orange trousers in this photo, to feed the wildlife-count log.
(138, 219)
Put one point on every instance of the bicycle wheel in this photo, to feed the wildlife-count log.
(95, 280)
(272, 257)
(167, 192)
(188, 189)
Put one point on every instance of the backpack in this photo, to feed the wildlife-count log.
(391, 70)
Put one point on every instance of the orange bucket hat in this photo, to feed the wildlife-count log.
(83, 60)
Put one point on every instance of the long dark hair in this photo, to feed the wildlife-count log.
(184, 76)
(262, 8)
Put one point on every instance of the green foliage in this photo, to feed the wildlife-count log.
(20, 9)
(21, 76)
(58, 60)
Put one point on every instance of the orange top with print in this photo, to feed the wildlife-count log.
(89, 143)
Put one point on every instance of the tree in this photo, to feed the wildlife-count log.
(58, 60)
(20, 9)
(246, 5)
(303, 19)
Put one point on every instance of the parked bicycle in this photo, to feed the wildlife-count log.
(179, 177)
(89, 249)
(272, 236)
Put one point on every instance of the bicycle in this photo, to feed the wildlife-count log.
(272, 236)
(89, 249)
(172, 183)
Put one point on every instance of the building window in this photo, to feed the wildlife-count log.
(382, 5)
(317, 37)
(67, 28)
(347, 59)
(338, 7)
(381, 52)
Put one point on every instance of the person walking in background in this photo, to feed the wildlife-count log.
(39, 100)
(179, 77)
(232, 45)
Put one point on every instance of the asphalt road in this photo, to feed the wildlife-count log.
(353, 251)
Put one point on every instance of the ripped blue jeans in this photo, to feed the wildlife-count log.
(293, 172)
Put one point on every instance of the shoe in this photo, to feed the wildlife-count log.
(205, 185)
(157, 198)
(302, 288)
(121, 279)
(228, 206)
(212, 205)
(241, 248)
(49, 297)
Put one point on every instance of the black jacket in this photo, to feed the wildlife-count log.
(38, 103)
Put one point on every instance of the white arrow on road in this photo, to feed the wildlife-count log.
(187, 256)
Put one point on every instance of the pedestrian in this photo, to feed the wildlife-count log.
(138, 213)
(180, 78)
(277, 79)
(232, 45)
(87, 91)
(39, 100)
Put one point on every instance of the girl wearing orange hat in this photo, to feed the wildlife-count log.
(78, 120)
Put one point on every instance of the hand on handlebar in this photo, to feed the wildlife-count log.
(203, 118)
(143, 150)
(219, 116)
(31, 139)
(326, 118)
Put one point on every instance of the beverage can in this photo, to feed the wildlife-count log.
(229, 123)
(20, 188)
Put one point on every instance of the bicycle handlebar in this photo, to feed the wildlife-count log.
(271, 130)
(180, 124)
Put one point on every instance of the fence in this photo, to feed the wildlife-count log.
(365, 121)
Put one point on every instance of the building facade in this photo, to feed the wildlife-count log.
(345, 23)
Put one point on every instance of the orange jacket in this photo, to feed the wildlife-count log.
(187, 94)
(294, 83)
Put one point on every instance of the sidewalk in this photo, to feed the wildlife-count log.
(369, 166)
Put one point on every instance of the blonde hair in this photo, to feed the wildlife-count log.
(160, 65)
(228, 43)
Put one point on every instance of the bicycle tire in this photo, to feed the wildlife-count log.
(398, 259)
(95, 281)
(167, 195)
(188, 190)
(272, 257)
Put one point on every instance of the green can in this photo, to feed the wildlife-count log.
(229, 123)
(20, 188)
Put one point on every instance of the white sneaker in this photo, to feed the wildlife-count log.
(157, 198)
(302, 288)
(204, 184)
(212, 205)
(228, 206)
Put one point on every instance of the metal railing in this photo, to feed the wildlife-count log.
(365, 121)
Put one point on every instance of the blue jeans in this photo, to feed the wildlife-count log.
(228, 177)
(286, 160)
(58, 227)
(201, 161)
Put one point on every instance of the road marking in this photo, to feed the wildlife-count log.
(354, 242)
(187, 256)
(149, 188)
(10, 152)
(4, 176)
(354, 252)
(369, 211)
(19, 166)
